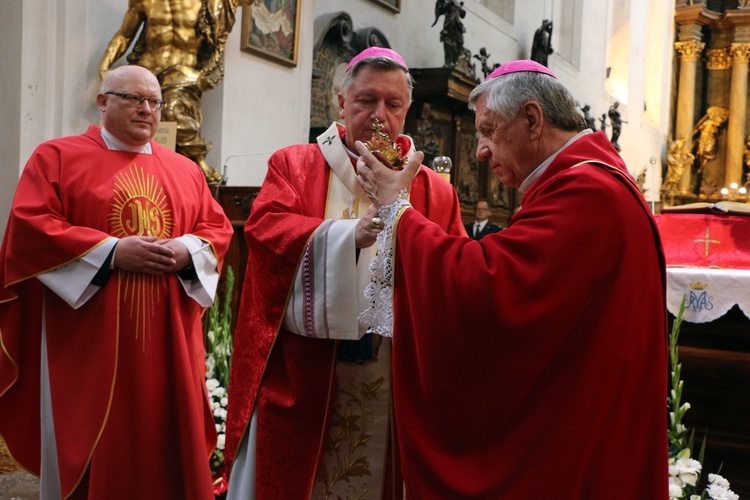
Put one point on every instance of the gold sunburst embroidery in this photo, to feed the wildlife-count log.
(139, 208)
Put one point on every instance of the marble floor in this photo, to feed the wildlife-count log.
(15, 484)
(19, 485)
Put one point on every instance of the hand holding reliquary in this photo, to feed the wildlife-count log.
(384, 149)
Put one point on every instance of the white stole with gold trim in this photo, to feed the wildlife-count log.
(328, 292)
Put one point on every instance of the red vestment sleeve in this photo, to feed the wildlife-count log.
(39, 214)
(289, 207)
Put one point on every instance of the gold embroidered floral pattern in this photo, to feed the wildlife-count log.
(348, 441)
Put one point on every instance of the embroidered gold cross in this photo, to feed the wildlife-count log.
(707, 240)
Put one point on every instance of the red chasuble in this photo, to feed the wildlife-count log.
(532, 364)
(126, 368)
(288, 377)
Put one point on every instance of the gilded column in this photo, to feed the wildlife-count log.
(690, 17)
(710, 132)
(689, 52)
(740, 53)
(739, 22)
(717, 60)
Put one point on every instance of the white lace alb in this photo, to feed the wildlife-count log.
(379, 315)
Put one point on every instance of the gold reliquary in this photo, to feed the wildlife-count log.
(385, 149)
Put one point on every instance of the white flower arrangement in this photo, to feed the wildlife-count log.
(218, 357)
(219, 409)
(685, 471)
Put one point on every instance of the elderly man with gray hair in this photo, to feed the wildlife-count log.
(542, 373)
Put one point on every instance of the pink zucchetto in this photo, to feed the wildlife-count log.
(519, 66)
(377, 52)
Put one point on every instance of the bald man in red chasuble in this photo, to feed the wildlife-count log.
(111, 253)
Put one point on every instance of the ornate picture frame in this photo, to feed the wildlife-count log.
(272, 35)
(394, 5)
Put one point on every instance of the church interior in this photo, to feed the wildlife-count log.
(666, 80)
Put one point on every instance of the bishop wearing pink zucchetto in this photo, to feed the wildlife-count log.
(310, 411)
(530, 363)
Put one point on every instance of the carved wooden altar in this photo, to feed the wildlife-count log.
(441, 123)
(709, 150)
(708, 263)
(236, 202)
(709, 145)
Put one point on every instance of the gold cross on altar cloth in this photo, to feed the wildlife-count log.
(707, 240)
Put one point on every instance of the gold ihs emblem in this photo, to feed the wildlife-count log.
(139, 208)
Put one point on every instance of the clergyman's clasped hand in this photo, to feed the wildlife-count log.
(381, 184)
(149, 255)
(368, 227)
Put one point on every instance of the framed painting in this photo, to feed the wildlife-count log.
(394, 5)
(270, 29)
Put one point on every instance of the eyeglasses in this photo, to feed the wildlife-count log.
(135, 101)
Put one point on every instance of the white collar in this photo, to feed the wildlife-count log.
(116, 144)
(538, 171)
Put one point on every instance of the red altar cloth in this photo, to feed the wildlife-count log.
(705, 240)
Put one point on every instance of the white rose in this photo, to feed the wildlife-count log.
(719, 480)
(674, 491)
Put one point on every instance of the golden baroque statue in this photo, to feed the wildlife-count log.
(708, 127)
(679, 158)
(182, 43)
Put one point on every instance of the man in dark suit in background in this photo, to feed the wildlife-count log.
(483, 225)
